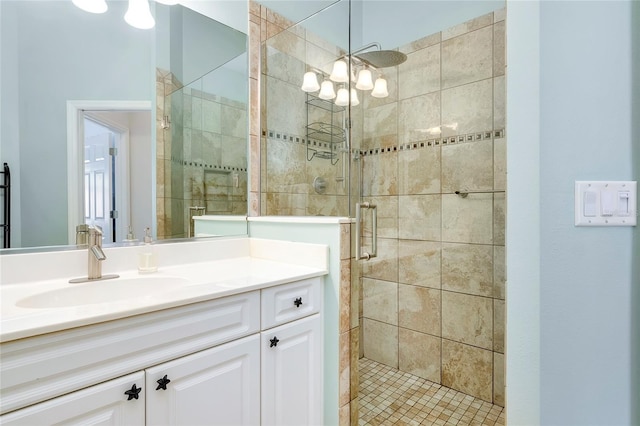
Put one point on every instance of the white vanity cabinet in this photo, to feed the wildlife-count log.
(218, 387)
(292, 354)
(210, 363)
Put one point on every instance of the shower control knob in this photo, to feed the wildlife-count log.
(274, 342)
(133, 393)
(298, 302)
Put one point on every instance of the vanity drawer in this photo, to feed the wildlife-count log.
(42, 367)
(289, 302)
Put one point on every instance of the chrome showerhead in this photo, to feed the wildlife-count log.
(382, 58)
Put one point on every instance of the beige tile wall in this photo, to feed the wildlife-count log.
(433, 301)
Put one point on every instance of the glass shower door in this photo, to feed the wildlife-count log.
(306, 146)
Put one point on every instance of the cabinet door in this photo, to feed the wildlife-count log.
(218, 386)
(292, 373)
(103, 404)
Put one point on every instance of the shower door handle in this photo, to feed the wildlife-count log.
(374, 231)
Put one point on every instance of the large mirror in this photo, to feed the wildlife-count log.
(171, 100)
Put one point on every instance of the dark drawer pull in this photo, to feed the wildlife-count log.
(133, 393)
(298, 302)
(162, 383)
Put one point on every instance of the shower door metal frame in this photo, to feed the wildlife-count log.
(374, 231)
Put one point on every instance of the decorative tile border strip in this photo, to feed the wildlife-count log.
(206, 166)
(282, 136)
(449, 140)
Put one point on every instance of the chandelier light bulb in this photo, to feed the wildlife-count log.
(339, 74)
(365, 81)
(380, 89)
(342, 99)
(92, 6)
(139, 15)
(354, 98)
(310, 82)
(326, 90)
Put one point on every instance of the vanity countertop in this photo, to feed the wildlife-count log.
(263, 264)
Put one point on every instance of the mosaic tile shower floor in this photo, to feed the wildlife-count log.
(391, 397)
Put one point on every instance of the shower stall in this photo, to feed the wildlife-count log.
(400, 127)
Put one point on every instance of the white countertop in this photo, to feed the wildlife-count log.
(262, 264)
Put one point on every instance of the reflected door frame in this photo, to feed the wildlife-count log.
(75, 153)
(114, 169)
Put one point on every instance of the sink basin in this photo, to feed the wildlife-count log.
(102, 292)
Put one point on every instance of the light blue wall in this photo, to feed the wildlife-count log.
(398, 22)
(232, 13)
(391, 23)
(328, 19)
(635, 290)
(297, 10)
(64, 54)
(220, 225)
(523, 215)
(587, 289)
(193, 46)
(207, 44)
(585, 272)
(229, 80)
(10, 123)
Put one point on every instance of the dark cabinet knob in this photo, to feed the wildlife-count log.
(162, 383)
(133, 393)
(298, 302)
(274, 342)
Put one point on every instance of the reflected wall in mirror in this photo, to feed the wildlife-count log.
(53, 52)
(201, 126)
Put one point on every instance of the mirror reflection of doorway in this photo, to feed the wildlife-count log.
(102, 144)
(132, 169)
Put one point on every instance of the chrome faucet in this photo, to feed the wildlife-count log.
(95, 256)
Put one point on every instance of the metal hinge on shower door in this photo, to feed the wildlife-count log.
(374, 231)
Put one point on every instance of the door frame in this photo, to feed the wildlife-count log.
(75, 155)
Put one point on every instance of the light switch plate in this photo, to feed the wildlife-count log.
(606, 203)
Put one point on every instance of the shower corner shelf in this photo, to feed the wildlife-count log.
(325, 132)
(328, 135)
(324, 104)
